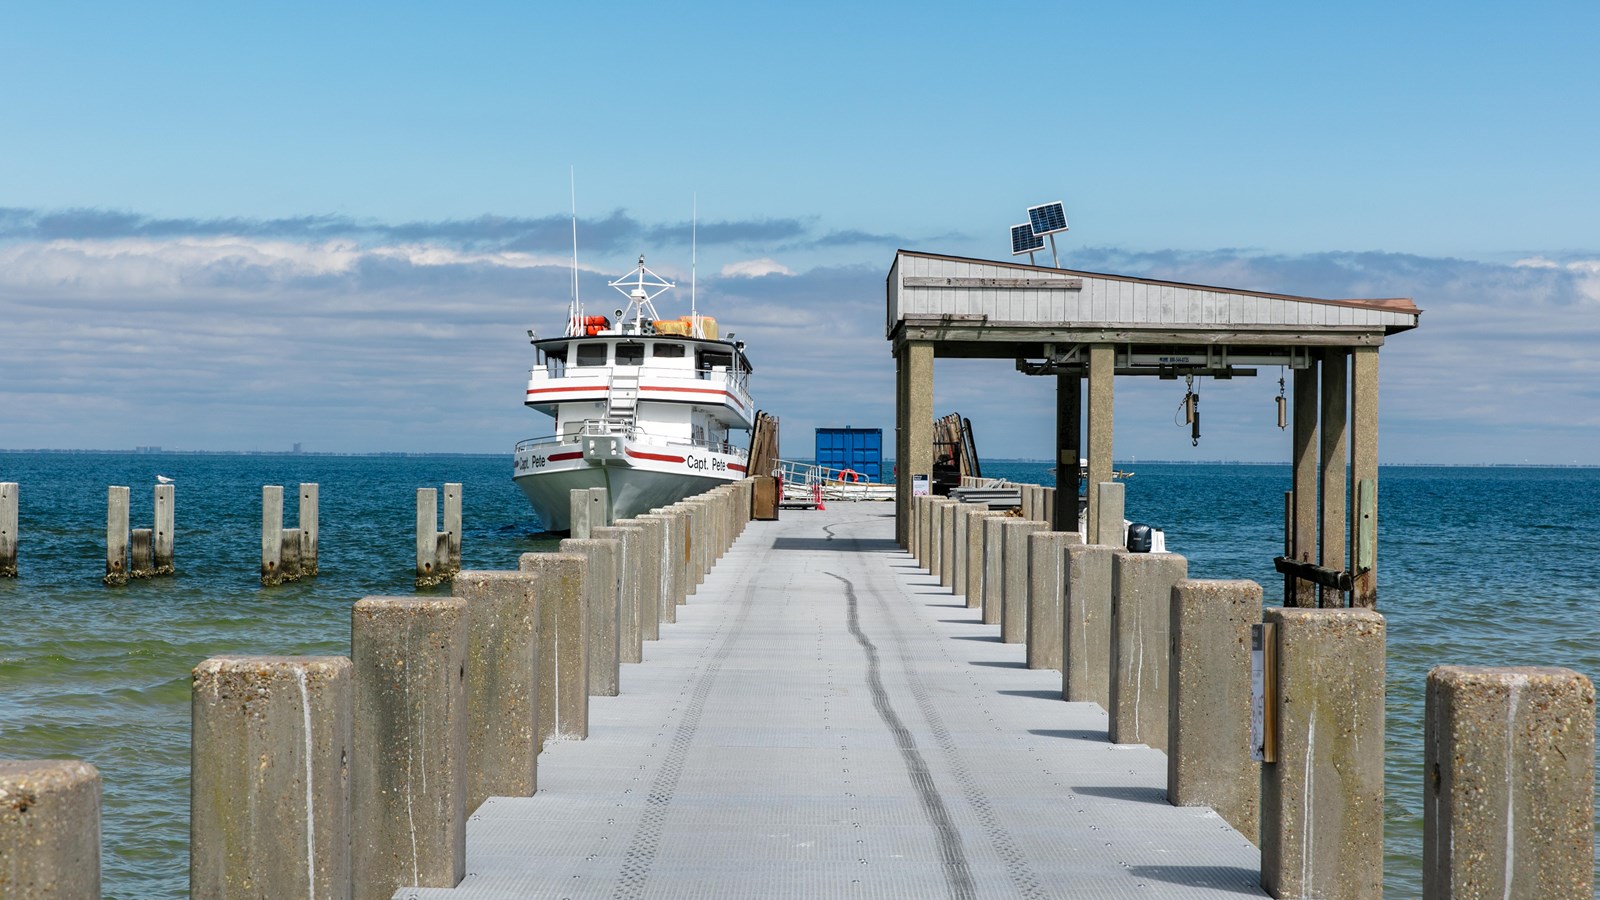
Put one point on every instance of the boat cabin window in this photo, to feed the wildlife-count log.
(630, 354)
(709, 360)
(591, 355)
(554, 361)
(667, 351)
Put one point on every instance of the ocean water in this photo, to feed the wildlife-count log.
(1487, 566)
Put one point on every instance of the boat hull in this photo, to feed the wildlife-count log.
(637, 476)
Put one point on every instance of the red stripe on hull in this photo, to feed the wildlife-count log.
(639, 454)
(558, 457)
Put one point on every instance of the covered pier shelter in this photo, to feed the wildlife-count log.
(1087, 328)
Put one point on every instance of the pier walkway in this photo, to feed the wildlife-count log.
(825, 720)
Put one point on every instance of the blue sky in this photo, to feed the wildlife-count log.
(333, 225)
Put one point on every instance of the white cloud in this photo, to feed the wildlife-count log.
(755, 268)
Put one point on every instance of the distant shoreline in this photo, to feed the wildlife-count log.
(887, 461)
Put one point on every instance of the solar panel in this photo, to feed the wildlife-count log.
(1047, 218)
(1023, 240)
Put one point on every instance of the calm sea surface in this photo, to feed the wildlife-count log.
(1488, 566)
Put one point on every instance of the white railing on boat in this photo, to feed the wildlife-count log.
(601, 428)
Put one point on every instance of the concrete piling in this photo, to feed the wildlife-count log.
(116, 535)
(162, 546)
(630, 630)
(1141, 624)
(1047, 500)
(599, 507)
(670, 562)
(1047, 585)
(1086, 625)
(270, 777)
(409, 762)
(1508, 796)
(973, 557)
(1208, 726)
(309, 523)
(936, 516)
(994, 570)
(452, 528)
(1014, 588)
(1109, 514)
(958, 547)
(948, 510)
(49, 829)
(502, 683)
(1322, 800)
(8, 528)
(605, 610)
(428, 537)
(652, 575)
(141, 553)
(578, 513)
(271, 534)
(290, 556)
(563, 644)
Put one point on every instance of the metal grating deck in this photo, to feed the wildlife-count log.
(824, 720)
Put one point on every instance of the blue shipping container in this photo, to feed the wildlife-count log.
(860, 449)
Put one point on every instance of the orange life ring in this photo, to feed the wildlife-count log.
(855, 477)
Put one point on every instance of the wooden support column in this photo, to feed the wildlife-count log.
(1102, 369)
(1069, 422)
(1335, 427)
(1304, 534)
(1364, 476)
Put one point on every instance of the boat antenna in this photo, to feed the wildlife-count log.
(694, 259)
(577, 308)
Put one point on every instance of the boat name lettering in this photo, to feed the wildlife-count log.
(530, 462)
(703, 463)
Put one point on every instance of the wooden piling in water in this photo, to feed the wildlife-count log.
(8, 529)
(116, 535)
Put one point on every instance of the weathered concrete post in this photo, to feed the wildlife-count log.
(116, 535)
(452, 528)
(948, 512)
(1322, 800)
(605, 609)
(994, 570)
(428, 562)
(502, 683)
(925, 532)
(1508, 797)
(1110, 510)
(289, 566)
(141, 553)
(1141, 626)
(563, 644)
(1047, 512)
(8, 529)
(49, 829)
(270, 780)
(649, 583)
(271, 534)
(310, 524)
(630, 630)
(1086, 625)
(936, 516)
(1047, 587)
(162, 539)
(958, 547)
(973, 560)
(1208, 725)
(409, 817)
(1014, 589)
(578, 513)
(599, 507)
(666, 562)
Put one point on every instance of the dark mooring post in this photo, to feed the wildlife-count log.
(1069, 421)
(8, 529)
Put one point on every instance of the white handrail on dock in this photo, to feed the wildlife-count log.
(806, 485)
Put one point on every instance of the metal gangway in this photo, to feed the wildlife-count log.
(810, 486)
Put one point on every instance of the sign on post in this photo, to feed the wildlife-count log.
(1263, 692)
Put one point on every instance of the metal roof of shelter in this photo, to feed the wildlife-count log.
(987, 308)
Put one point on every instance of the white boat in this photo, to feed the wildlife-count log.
(643, 406)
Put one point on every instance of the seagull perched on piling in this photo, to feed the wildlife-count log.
(163, 479)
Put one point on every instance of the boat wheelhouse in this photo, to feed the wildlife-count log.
(646, 407)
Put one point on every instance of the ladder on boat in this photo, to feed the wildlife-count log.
(622, 402)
